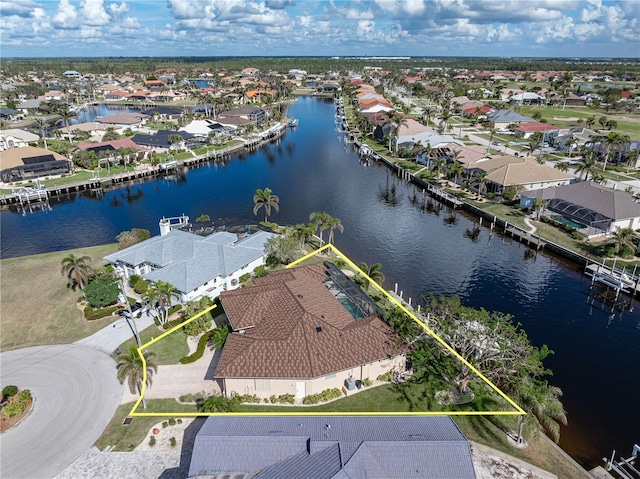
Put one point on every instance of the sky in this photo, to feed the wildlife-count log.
(500, 28)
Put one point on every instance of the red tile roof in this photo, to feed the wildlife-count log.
(535, 126)
(280, 317)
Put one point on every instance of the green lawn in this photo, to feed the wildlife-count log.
(36, 307)
(170, 349)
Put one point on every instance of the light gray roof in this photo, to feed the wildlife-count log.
(187, 261)
(507, 116)
(334, 446)
(613, 204)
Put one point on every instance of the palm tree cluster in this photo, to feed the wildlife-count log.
(323, 221)
(160, 296)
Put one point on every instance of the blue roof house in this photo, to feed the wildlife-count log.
(194, 265)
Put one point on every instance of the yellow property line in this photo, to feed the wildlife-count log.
(518, 410)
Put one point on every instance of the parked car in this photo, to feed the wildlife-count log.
(496, 143)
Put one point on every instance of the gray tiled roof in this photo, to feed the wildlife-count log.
(507, 116)
(187, 261)
(368, 446)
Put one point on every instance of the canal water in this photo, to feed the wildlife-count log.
(424, 250)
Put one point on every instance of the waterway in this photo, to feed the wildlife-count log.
(310, 169)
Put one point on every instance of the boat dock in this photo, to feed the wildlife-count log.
(616, 278)
(522, 236)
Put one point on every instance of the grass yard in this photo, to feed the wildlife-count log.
(36, 307)
(170, 349)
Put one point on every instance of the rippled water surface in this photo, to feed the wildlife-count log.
(596, 359)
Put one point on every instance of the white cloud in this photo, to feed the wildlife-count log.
(21, 8)
(93, 13)
(66, 15)
(118, 10)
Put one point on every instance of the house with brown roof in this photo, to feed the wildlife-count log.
(27, 162)
(301, 331)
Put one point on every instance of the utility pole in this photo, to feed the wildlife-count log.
(130, 319)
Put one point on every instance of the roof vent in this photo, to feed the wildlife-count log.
(318, 329)
(300, 296)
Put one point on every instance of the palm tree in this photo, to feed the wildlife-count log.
(334, 223)
(160, 295)
(265, 198)
(219, 336)
(480, 181)
(623, 239)
(438, 165)
(41, 126)
(64, 111)
(304, 232)
(456, 170)
(132, 369)
(561, 166)
(319, 219)
(587, 165)
(538, 205)
(372, 272)
(77, 270)
(542, 402)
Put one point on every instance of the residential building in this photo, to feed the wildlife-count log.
(301, 331)
(331, 447)
(28, 162)
(161, 140)
(122, 120)
(194, 265)
(597, 209)
(504, 118)
(16, 138)
(527, 130)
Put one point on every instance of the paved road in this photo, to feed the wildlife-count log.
(110, 337)
(76, 394)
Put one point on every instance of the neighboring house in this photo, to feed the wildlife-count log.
(203, 128)
(122, 120)
(301, 331)
(600, 210)
(56, 95)
(504, 118)
(164, 112)
(563, 139)
(466, 154)
(527, 98)
(7, 113)
(330, 447)
(570, 100)
(104, 148)
(71, 74)
(328, 87)
(28, 162)
(16, 138)
(526, 130)
(161, 140)
(195, 265)
(254, 114)
(503, 171)
(96, 130)
(30, 105)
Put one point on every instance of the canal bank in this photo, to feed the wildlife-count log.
(426, 251)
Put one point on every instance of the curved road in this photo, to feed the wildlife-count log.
(76, 394)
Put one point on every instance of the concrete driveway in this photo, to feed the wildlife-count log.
(76, 394)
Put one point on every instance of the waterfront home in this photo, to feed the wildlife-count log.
(163, 140)
(204, 128)
(253, 114)
(330, 447)
(594, 208)
(96, 130)
(301, 331)
(16, 138)
(7, 113)
(164, 112)
(29, 162)
(465, 154)
(194, 265)
(412, 132)
(122, 120)
(111, 147)
(526, 172)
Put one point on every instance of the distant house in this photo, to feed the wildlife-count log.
(526, 130)
(254, 114)
(527, 98)
(71, 74)
(122, 120)
(598, 209)
(7, 113)
(328, 87)
(161, 140)
(194, 265)
(28, 106)
(203, 128)
(28, 162)
(105, 148)
(164, 112)
(16, 138)
(330, 447)
(564, 138)
(570, 100)
(503, 171)
(504, 118)
(302, 330)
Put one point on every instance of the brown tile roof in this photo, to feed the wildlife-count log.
(282, 314)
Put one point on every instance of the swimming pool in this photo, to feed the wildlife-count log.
(567, 221)
(352, 308)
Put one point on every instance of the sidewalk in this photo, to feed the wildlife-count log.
(112, 336)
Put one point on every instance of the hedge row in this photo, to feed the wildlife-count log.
(90, 313)
(200, 351)
(326, 395)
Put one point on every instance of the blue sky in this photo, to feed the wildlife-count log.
(548, 28)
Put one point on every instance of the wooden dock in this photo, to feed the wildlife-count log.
(522, 236)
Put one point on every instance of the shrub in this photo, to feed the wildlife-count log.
(14, 409)
(91, 314)
(609, 251)
(200, 351)
(25, 395)
(575, 234)
(9, 391)
(273, 399)
(165, 424)
(244, 277)
(260, 271)
(102, 291)
(388, 376)
(287, 399)
(490, 195)
(133, 279)
(141, 286)
(175, 308)
(197, 326)
(152, 441)
(172, 422)
(366, 382)
(192, 398)
(179, 421)
(326, 395)
(248, 398)
(173, 441)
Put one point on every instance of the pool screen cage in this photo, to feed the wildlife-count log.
(351, 290)
(580, 214)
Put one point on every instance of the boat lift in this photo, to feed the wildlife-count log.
(625, 468)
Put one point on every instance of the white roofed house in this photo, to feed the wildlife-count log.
(194, 265)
